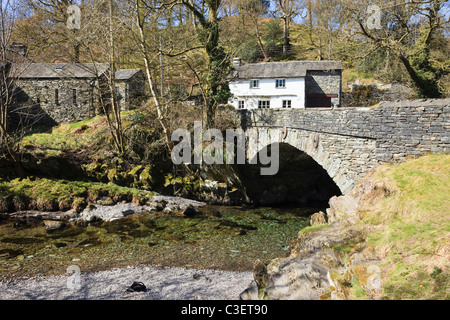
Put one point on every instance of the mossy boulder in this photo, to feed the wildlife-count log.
(145, 178)
(96, 171)
(138, 176)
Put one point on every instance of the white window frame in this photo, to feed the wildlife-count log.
(278, 83)
(254, 84)
(287, 104)
(241, 104)
(263, 104)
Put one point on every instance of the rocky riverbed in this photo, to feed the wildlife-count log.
(169, 231)
(161, 284)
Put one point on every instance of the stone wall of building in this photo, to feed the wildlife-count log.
(131, 91)
(322, 82)
(60, 100)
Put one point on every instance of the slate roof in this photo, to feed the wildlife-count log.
(125, 74)
(288, 69)
(59, 70)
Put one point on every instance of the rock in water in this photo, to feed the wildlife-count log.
(158, 205)
(52, 225)
(190, 211)
(303, 274)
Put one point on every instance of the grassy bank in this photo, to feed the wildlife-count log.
(408, 212)
(67, 136)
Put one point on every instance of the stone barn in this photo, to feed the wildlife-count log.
(61, 92)
(130, 86)
(52, 93)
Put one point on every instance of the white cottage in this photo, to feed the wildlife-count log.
(292, 84)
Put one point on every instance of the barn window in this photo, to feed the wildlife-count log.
(56, 96)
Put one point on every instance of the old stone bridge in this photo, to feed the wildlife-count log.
(347, 142)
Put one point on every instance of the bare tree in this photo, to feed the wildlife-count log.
(7, 83)
(287, 10)
(324, 21)
(55, 15)
(252, 10)
(144, 15)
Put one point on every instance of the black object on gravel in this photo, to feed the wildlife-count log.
(137, 287)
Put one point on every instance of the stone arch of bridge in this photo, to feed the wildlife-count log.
(312, 144)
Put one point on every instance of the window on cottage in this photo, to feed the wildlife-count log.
(74, 96)
(280, 83)
(287, 103)
(56, 96)
(264, 104)
(254, 84)
(241, 104)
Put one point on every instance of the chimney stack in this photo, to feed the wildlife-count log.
(236, 62)
(19, 49)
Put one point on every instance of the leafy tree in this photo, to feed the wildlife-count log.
(273, 38)
(407, 31)
(217, 60)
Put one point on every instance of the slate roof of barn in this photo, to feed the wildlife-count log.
(125, 74)
(59, 70)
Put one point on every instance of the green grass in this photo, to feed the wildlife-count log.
(71, 136)
(66, 136)
(412, 223)
(358, 292)
(314, 228)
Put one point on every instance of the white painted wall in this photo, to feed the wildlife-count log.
(294, 91)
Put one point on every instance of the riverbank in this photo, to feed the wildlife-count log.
(386, 239)
(162, 284)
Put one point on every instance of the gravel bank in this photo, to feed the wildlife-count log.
(162, 284)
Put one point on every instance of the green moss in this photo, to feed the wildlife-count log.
(358, 291)
(313, 228)
(343, 247)
(50, 195)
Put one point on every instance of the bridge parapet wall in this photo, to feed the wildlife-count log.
(399, 129)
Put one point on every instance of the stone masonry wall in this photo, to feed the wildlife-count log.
(349, 141)
(320, 82)
(399, 128)
(132, 91)
(41, 94)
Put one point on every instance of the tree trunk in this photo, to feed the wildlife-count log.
(115, 108)
(140, 24)
(258, 37)
(286, 42)
(427, 88)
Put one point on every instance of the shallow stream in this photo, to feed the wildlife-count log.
(224, 238)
